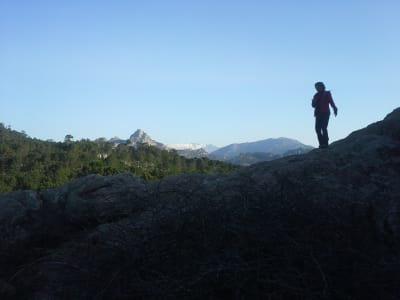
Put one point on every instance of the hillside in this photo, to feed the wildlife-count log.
(272, 147)
(27, 163)
(321, 225)
(250, 158)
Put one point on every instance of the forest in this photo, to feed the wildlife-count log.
(28, 163)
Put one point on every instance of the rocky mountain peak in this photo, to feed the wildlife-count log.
(141, 137)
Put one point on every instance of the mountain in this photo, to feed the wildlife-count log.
(190, 146)
(141, 137)
(116, 140)
(194, 146)
(317, 226)
(188, 153)
(249, 158)
(273, 147)
(210, 148)
(242, 154)
(193, 150)
(137, 138)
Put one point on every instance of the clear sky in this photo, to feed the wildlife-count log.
(205, 71)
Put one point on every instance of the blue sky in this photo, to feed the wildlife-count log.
(215, 72)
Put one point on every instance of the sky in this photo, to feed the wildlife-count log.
(199, 71)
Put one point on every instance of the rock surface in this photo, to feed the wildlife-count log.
(323, 225)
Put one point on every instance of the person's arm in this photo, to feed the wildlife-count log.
(314, 102)
(332, 103)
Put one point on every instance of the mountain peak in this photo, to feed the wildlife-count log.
(275, 147)
(141, 137)
(139, 134)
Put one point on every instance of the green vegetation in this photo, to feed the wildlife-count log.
(27, 163)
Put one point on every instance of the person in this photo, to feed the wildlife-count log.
(321, 101)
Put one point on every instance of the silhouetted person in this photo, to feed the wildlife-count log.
(321, 101)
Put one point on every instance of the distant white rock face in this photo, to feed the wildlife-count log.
(193, 146)
(137, 138)
(140, 137)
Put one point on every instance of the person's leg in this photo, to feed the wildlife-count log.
(318, 129)
(324, 128)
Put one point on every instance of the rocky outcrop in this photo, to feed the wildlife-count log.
(323, 225)
(140, 137)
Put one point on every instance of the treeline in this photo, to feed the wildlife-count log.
(27, 163)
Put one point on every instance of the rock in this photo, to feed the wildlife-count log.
(96, 199)
(7, 291)
(16, 216)
(14, 207)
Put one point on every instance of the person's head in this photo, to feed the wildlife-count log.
(320, 86)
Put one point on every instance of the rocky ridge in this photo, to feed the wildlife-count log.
(141, 137)
(272, 146)
(322, 225)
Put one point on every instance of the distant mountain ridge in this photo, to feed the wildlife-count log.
(194, 146)
(238, 153)
(246, 159)
(272, 146)
(188, 153)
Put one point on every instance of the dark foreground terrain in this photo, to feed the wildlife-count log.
(324, 225)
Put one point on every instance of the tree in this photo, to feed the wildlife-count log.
(27, 163)
(68, 138)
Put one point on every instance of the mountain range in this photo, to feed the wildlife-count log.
(238, 153)
(141, 137)
(263, 150)
(194, 147)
